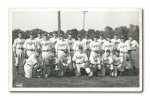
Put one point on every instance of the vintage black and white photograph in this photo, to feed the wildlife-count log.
(97, 49)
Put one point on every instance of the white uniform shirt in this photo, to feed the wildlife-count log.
(87, 43)
(95, 46)
(70, 42)
(61, 45)
(95, 59)
(80, 57)
(39, 39)
(54, 40)
(101, 41)
(116, 42)
(117, 60)
(108, 45)
(46, 45)
(31, 44)
(18, 43)
(133, 44)
(32, 60)
(123, 47)
(77, 44)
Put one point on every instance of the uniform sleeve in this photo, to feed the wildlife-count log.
(136, 43)
(118, 46)
(38, 44)
(56, 47)
(14, 45)
(25, 45)
(74, 46)
(110, 60)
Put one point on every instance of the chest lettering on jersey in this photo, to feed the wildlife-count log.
(61, 45)
(80, 57)
(95, 46)
(20, 43)
(108, 46)
(31, 43)
(45, 44)
(123, 46)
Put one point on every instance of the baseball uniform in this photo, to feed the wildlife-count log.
(106, 63)
(80, 59)
(31, 45)
(71, 43)
(133, 46)
(108, 45)
(116, 42)
(19, 50)
(87, 46)
(54, 40)
(77, 44)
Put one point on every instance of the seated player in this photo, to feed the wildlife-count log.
(80, 60)
(106, 62)
(117, 64)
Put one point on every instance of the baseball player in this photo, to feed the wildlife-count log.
(116, 41)
(31, 63)
(106, 62)
(87, 42)
(19, 52)
(47, 48)
(133, 45)
(71, 42)
(39, 38)
(62, 49)
(117, 64)
(80, 60)
(124, 48)
(31, 45)
(95, 54)
(54, 39)
(78, 43)
(108, 45)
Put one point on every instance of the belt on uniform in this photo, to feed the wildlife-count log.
(29, 64)
(123, 52)
(80, 63)
(46, 50)
(61, 49)
(30, 49)
(133, 50)
(21, 48)
(71, 49)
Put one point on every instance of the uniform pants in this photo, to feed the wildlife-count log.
(29, 53)
(88, 52)
(78, 69)
(133, 57)
(104, 67)
(19, 60)
(126, 63)
(28, 71)
(61, 55)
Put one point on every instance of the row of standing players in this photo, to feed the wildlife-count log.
(43, 55)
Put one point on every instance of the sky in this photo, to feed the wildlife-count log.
(98, 20)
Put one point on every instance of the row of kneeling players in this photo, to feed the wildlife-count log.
(42, 56)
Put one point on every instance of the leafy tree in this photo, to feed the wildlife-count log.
(108, 31)
(122, 31)
(134, 31)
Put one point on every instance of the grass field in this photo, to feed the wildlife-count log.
(83, 81)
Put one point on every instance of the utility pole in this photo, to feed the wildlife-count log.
(84, 12)
(59, 23)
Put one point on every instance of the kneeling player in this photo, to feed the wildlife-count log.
(31, 64)
(106, 62)
(117, 64)
(80, 60)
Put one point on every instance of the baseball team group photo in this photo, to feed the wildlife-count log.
(76, 49)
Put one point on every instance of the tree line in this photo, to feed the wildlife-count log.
(108, 31)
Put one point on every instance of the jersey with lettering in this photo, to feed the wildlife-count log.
(95, 59)
(54, 40)
(61, 45)
(133, 44)
(18, 43)
(70, 42)
(77, 44)
(31, 44)
(80, 57)
(115, 41)
(95, 46)
(39, 39)
(46, 45)
(108, 45)
(123, 47)
(106, 59)
(87, 43)
(32, 60)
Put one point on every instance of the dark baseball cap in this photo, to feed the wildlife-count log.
(107, 50)
(81, 47)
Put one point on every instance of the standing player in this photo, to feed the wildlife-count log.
(87, 42)
(133, 45)
(54, 39)
(39, 38)
(78, 43)
(106, 63)
(95, 54)
(80, 60)
(71, 42)
(101, 40)
(62, 49)
(124, 48)
(19, 52)
(47, 48)
(31, 45)
(108, 45)
(116, 41)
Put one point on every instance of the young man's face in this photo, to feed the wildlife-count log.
(115, 37)
(109, 39)
(95, 39)
(80, 50)
(117, 54)
(107, 53)
(39, 35)
(37, 54)
(31, 36)
(45, 37)
(130, 38)
(122, 40)
(55, 35)
(69, 36)
(20, 35)
(62, 38)
(79, 38)
(86, 37)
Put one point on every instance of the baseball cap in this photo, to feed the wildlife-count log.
(122, 37)
(107, 50)
(118, 51)
(95, 36)
(31, 33)
(81, 47)
(79, 35)
(109, 36)
(86, 34)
